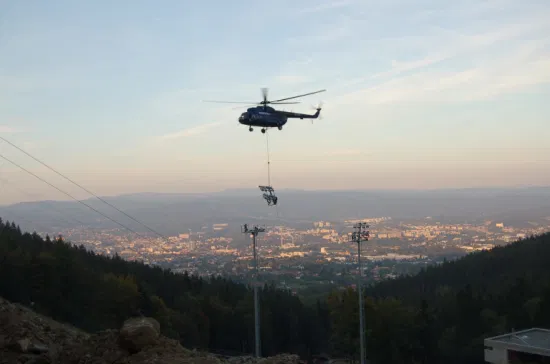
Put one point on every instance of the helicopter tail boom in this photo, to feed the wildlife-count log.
(299, 115)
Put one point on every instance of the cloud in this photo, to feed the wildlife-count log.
(465, 8)
(300, 62)
(341, 26)
(175, 103)
(6, 129)
(291, 79)
(296, 72)
(459, 65)
(516, 74)
(196, 130)
(342, 152)
(452, 44)
(30, 81)
(400, 67)
(329, 34)
(330, 5)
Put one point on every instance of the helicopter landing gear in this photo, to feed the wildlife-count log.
(280, 127)
(250, 129)
(263, 131)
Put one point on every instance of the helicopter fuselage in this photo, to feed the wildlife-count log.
(257, 116)
(268, 117)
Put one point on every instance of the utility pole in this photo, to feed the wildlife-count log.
(360, 234)
(254, 232)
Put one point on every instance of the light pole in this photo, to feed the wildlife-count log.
(254, 232)
(360, 234)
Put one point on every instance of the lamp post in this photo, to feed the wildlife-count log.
(360, 234)
(254, 232)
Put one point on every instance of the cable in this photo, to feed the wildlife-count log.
(83, 188)
(50, 205)
(71, 196)
(269, 169)
(14, 215)
(268, 161)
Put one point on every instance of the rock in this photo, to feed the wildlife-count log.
(39, 360)
(278, 359)
(281, 359)
(20, 346)
(38, 348)
(137, 333)
(29, 338)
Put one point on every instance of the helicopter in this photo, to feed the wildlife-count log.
(267, 117)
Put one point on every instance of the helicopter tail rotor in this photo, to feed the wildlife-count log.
(318, 107)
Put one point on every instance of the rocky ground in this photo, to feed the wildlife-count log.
(29, 338)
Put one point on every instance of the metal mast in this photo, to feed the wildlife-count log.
(254, 232)
(360, 234)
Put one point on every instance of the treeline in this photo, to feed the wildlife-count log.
(444, 313)
(95, 292)
(440, 315)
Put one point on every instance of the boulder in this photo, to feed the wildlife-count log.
(137, 333)
(21, 346)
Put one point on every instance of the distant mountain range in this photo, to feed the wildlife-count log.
(171, 213)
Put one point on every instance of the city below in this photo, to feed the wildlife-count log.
(321, 255)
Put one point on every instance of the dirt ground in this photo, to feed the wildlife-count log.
(29, 338)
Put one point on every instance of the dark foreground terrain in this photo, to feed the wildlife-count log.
(30, 338)
(441, 314)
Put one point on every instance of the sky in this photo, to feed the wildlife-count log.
(420, 94)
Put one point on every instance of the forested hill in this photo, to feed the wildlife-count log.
(93, 292)
(488, 271)
(440, 315)
(483, 294)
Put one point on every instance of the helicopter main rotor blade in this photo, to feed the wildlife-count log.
(264, 94)
(293, 97)
(281, 103)
(241, 107)
(231, 102)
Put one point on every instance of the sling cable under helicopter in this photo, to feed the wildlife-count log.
(268, 191)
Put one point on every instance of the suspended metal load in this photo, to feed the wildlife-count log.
(268, 191)
(269, 195)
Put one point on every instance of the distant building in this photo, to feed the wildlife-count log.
(217, 227)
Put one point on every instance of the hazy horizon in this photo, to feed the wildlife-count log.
(170, 213)
(420, 95)
(256, 192)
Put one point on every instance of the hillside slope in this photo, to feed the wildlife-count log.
(25, 335)
(30, 338)
(443, 313)
(93, 292)
(440, 315)
(489, 271)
